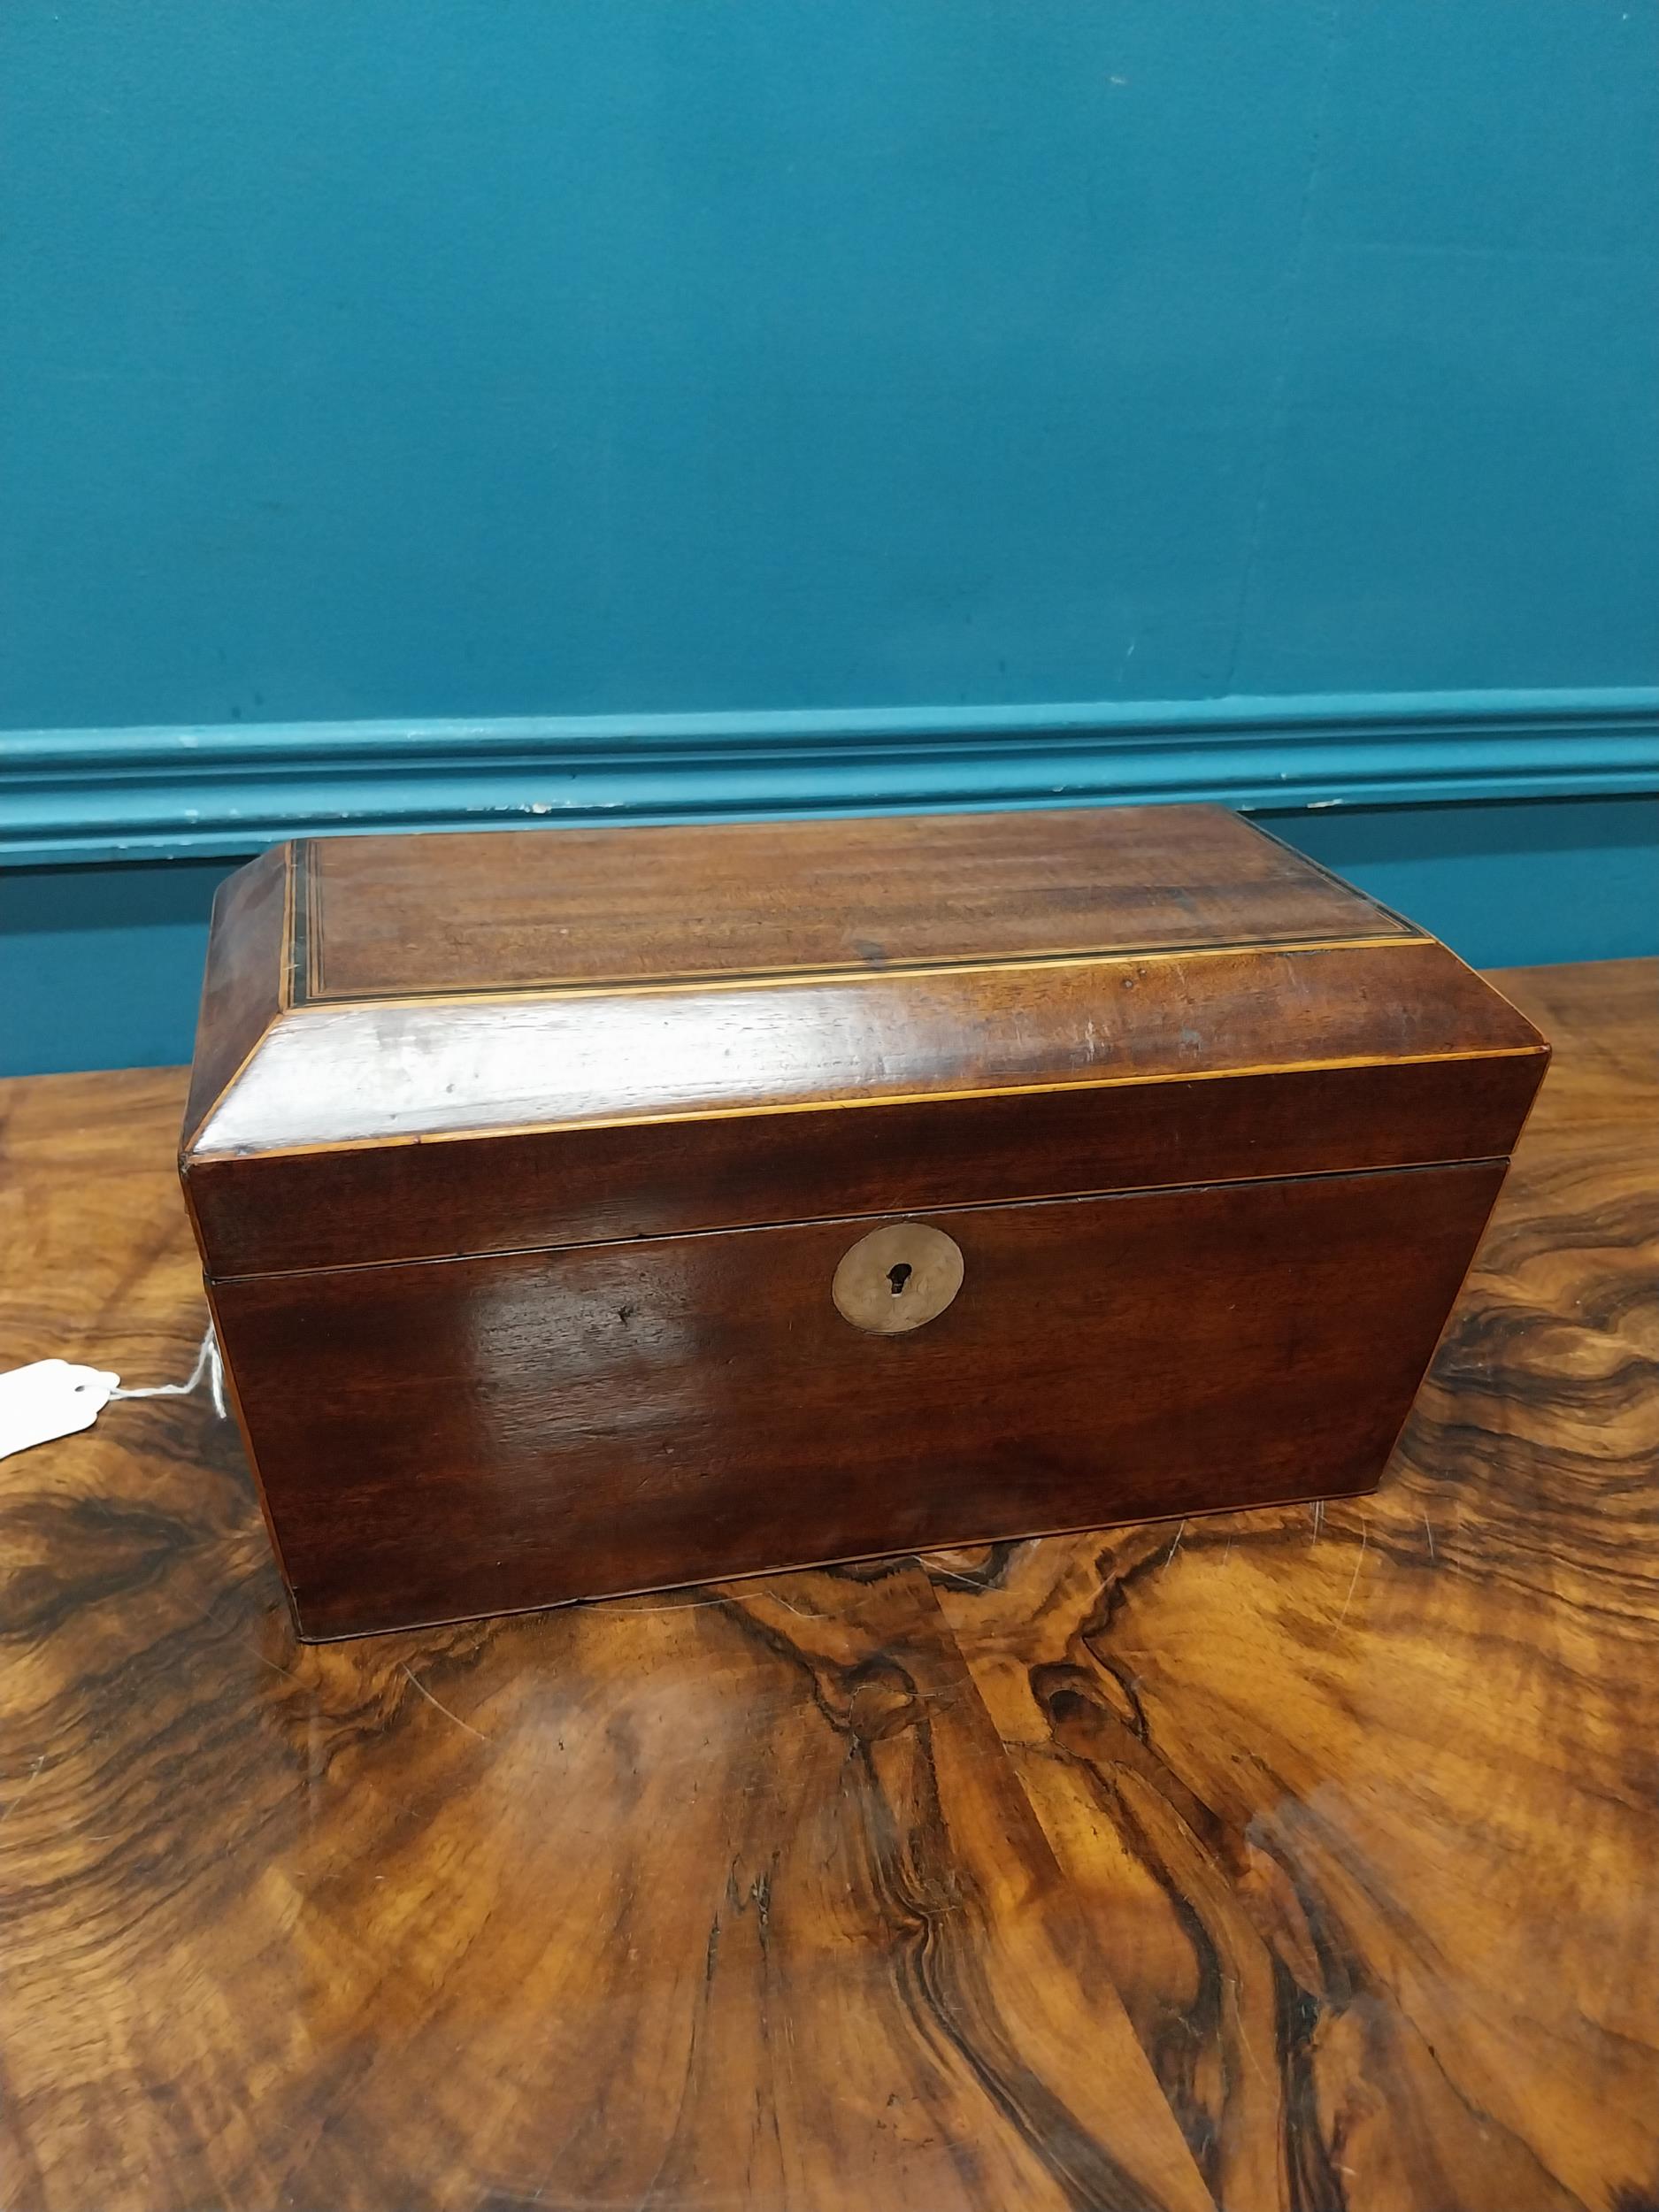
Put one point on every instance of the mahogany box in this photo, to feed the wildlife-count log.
(595, 1210)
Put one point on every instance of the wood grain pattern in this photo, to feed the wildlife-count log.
(357, 1927)
(522, 909)
(837, 1890)
(482, 1435)
(1366, 1797)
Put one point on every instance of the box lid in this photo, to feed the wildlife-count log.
(413, 1046)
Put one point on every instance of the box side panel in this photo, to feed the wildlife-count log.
(246, 983)
(444, 1439)
(338, 1206)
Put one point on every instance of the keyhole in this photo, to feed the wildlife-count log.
(896, 1277)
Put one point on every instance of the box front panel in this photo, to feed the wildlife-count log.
(443, 1439)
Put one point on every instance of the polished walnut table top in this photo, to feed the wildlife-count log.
(1281, 1859)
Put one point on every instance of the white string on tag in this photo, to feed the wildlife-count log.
(54, 1397)
(208, 1362)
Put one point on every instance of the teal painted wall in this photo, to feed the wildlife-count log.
(549, 358)
(423, 358)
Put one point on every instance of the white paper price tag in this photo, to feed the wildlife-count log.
(52, 1398)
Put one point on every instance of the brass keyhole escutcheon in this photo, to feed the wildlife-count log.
(897, 1277)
